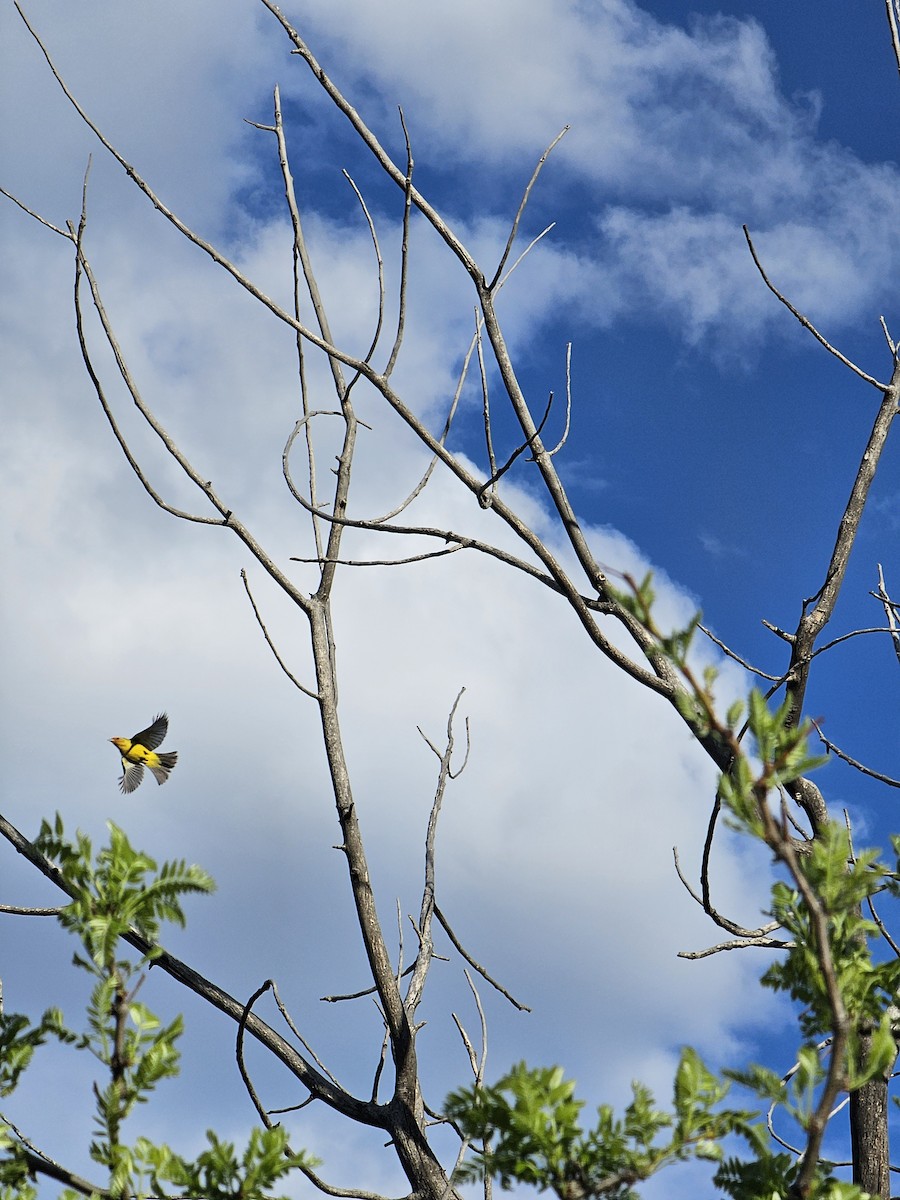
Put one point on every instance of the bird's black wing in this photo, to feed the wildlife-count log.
(132, 774)
(153, 734)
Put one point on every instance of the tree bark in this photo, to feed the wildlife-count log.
(869, 1136)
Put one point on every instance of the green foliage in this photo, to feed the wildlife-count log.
(18, 1041)
(15, 1173)
(782, 751)
(119, 891)
(529, 1130)
(867, 987)
(771, 1176)
(218, 1173)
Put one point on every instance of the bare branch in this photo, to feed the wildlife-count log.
(738, 944)
(891, 607)
(892, 345)
(806, 323)
(831, 748)
(565, 434)
(239, 1055)
(300, 262)
(344, 1193)
(288, 1020)
(426, 946)
(709, 908)
(296, 682)
(882, 928)
(379, 261)
(844, 637)
(404, 253)
(476, 965)
(16, 911)
(483, 498)
(368, 138)
(893, 16)
(65, 233)
(732, 654)
(482, 1059)
(368, 991)
(82, 266)
(522, 204)
(388, 562)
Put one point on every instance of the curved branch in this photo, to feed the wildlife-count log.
(477, 965)
(379, 263)
(831, 748)
(806, 323)
(296, 682)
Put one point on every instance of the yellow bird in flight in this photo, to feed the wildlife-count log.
(140, 751)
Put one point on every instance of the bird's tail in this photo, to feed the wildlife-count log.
(166, 763)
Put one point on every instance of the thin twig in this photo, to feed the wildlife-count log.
(483, 498)
(844, 637)
(522, 205)
(871, 906)
(386, 562)
(893, 16)
(17, 911)
(737, 658)
(239, 1055)
(379, 261)
(565, 434)
(343, 1193)
(294, 680)
(299, 262)
(404, 253)
(291, 1024)
(806, 323)
(831, 748)
(891, 608)
(369, 991)
(65, 233)
(476, 965)
(426, 911)
(737, 944)
(486, 495)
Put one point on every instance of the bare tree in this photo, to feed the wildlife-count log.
(595, 596)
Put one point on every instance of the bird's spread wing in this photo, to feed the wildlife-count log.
(132, 774)
(153, 735)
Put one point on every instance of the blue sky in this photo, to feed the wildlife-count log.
(712, 441)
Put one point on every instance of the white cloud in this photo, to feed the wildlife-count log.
(679, 135)
(689, 124)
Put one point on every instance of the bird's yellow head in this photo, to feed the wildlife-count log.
(121, 743)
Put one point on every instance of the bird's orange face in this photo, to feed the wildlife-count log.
(120, 743)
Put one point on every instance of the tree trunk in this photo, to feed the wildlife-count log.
(869, 1137)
